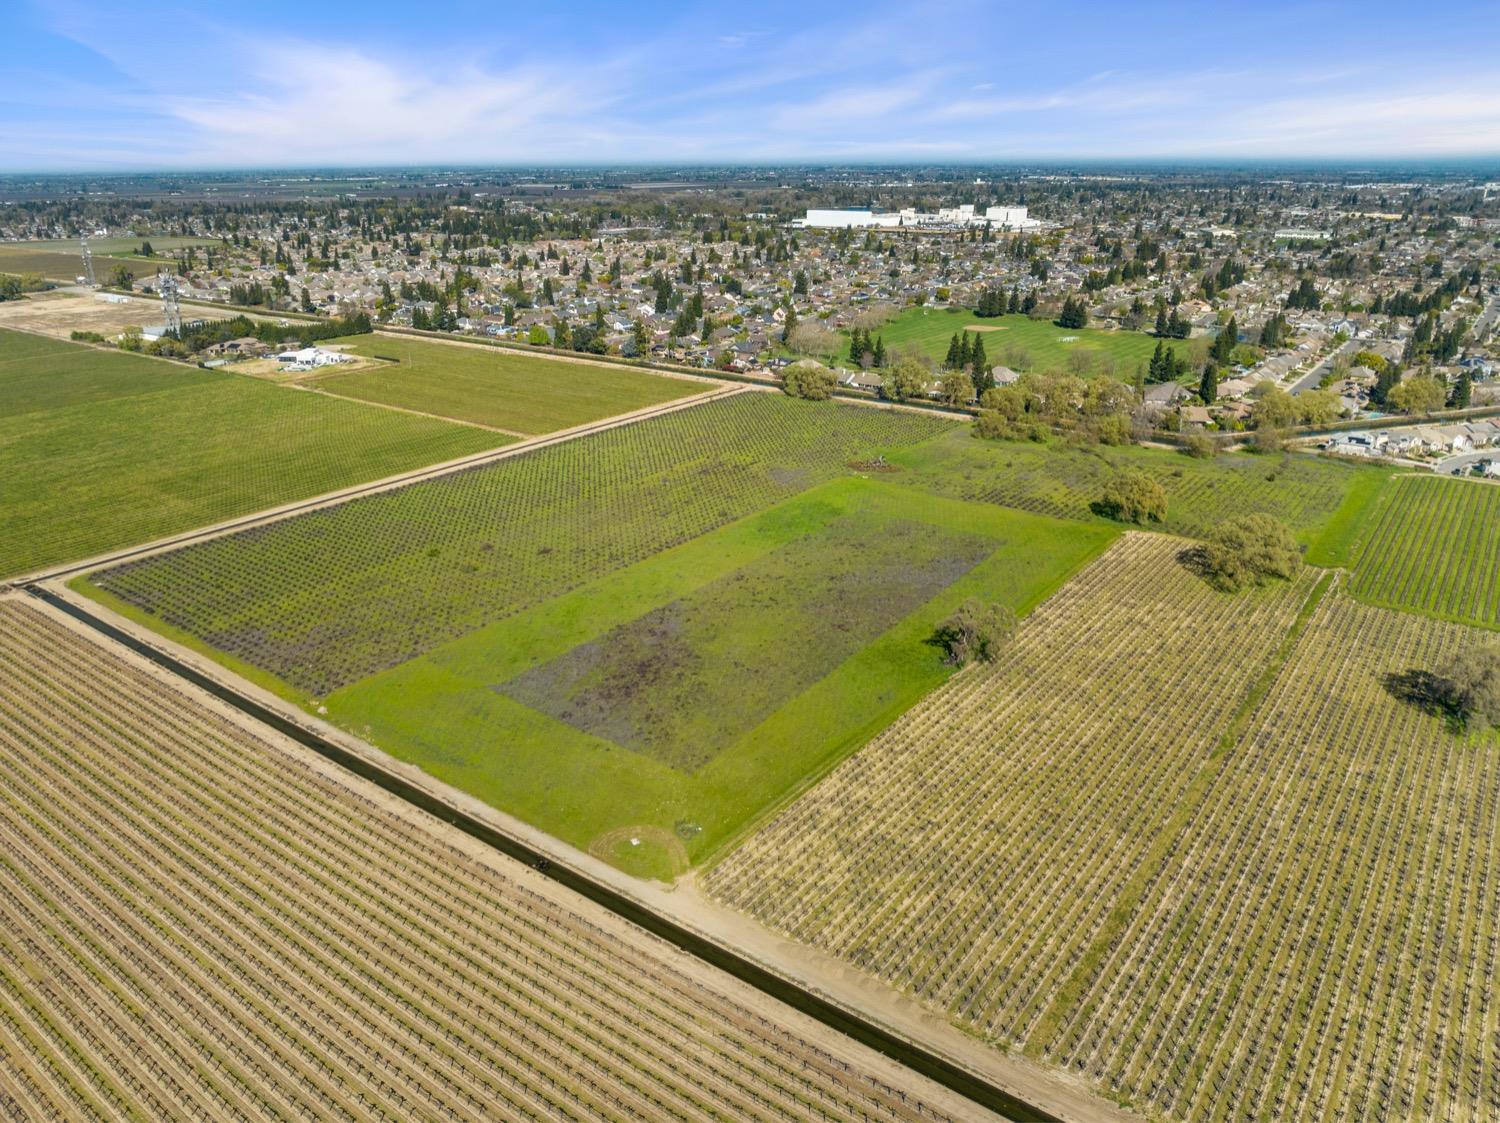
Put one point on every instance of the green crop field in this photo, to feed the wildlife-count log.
(637, 640)
(1433, 545)
(789, 668)
(422, 565)
(1043, 343)
(509, 390)
(103, 449)
(1306, 492)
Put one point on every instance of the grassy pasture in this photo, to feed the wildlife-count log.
(683, 681)
(1045, 342)
(1307, 493)
(102, 449)
(520, 393)
(460, 711)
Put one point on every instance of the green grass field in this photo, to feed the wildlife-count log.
(1432, 545)
(1308, 493)
(1043, 343)
(760, 732)
(121, 246)
(66, 265)
(102, 449)
(685, 680)
(520, 393)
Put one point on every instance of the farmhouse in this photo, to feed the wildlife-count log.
(306, 358)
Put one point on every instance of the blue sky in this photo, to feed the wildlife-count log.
(141, 86)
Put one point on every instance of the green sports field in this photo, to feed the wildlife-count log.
(1043, 343)
(103, 449)
(509, 390)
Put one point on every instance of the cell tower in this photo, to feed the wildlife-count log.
(166, 284)
(88, 264)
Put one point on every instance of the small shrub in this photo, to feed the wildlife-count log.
(977, 631)
(1201, 447)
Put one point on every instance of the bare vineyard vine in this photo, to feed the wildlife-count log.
(196, 924)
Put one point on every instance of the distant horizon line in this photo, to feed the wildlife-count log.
(1479, 162)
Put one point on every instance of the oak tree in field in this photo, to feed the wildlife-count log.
(1472, 683)
(1133, 497)
(1249, 550)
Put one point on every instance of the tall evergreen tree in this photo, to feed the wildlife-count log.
(1208, 385)
(1224, 342)
(1463, 391)
(1157, 371)
(879, 353)
(954, 359)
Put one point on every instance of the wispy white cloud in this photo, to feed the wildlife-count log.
(305, 102)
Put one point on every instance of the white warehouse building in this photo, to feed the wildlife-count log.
(999, 218)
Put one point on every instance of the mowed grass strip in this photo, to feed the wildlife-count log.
(1432, 545)
(327, 598)
(521, 393)
(441, 712)
(1044, 343)
(117, 449)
